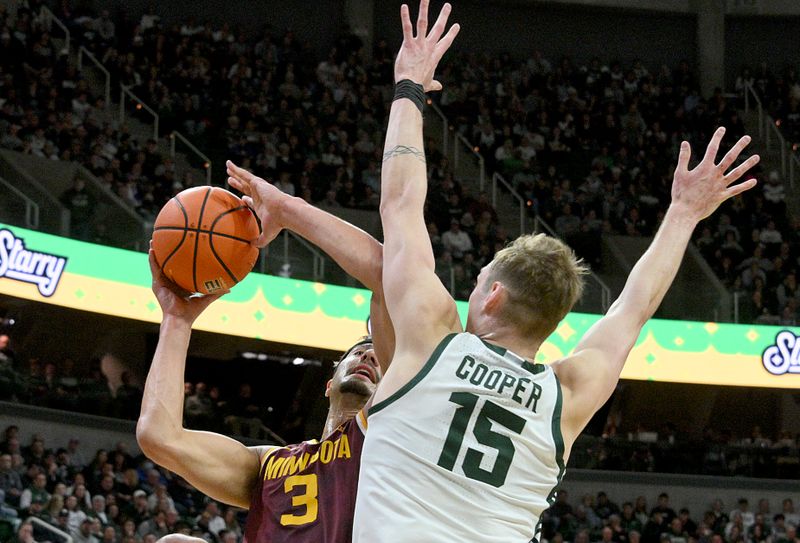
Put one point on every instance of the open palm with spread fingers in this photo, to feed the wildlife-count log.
(702, 189)
(265, 199)
(419, 55)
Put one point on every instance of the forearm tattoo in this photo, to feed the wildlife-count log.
(399, 150)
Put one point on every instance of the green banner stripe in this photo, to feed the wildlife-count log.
(287, 294)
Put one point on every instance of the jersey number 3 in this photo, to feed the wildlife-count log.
(307, 499)
(489, 413)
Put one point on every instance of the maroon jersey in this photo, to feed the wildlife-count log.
(307, 492)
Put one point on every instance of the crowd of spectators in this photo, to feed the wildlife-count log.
(313, 126)
(236, 408)
(112, 496)
(591, 148)
(105, 496)
(768, 277)
(48, 109)
(600, 520)
(713, 451)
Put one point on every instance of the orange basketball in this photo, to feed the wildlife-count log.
(202, 239)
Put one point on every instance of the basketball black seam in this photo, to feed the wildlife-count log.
(201, 231)
(211, 235)
(214, 252)
(185, 229)
(197, 240)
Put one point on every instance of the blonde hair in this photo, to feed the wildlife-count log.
(543, 279)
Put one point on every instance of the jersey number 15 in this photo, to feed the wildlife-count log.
(490, 412)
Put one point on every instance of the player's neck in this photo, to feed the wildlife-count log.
(509, 339)
(344, 408)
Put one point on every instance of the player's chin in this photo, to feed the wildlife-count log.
(353, 384)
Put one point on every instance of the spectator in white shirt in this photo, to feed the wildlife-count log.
(770, 234)
(744, 510)
(456, 240)
(789, 513)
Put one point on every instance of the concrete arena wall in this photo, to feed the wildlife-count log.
(58, 427)
(578, 31)
(749, 41)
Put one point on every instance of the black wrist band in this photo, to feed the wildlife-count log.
(413, 91)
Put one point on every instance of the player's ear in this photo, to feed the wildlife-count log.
(495, 298)
(328, 388)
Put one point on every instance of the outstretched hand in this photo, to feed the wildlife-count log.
(702, 189)
(175, 301)
(419, 55)
(265, 199)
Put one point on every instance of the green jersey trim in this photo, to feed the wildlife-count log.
(492, 347)
(399, 393)
(558, 439)
(532, 367)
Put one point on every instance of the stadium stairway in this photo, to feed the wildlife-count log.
(138, 123)
(467, 169)
(288, 255)
(772, 156)
(696, 293)
(43, 181)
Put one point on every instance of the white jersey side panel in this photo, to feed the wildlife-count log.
(468, 450)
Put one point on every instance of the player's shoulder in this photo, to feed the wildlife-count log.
(265, 451)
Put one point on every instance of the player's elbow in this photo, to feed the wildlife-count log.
(400, 203)
(389, 207)
(146, 437)
(153, 440)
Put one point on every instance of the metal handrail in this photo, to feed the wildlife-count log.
(514, 194)
(31, 207)
(318, 258)
(139, 243)
(53, 19)
(459, 138)
(140, 105)
(206, 161)
(605, 291)
(318, 261)
(84, 51)
(50, 528)
(445, 124)
(769, 128)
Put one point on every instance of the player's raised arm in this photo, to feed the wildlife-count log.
(591, 373)
(217, 465)
(421, 308)
(359, 254)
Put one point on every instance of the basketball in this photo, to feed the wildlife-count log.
(202, 239)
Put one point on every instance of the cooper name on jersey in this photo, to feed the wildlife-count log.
(521, 390)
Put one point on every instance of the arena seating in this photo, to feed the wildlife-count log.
(115, 496)
(589, 146)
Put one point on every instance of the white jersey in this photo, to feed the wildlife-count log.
(469, 450)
